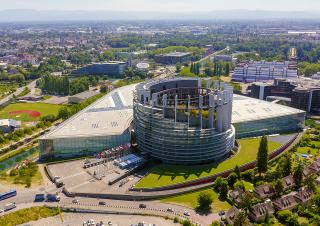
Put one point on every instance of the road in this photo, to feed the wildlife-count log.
(25, 199)
(31, 86)
(213, 54)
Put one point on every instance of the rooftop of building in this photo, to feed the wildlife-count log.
(85, 94)
(177, 54)
(112, 114)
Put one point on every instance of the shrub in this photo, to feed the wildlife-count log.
(283, 215)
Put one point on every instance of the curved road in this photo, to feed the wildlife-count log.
(31, 85)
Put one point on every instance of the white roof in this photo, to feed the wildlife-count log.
(247, 109)
(9, 122)
(112, 114)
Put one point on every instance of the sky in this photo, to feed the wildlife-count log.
(162, 5)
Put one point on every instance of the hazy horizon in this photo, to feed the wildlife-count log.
(163, 5)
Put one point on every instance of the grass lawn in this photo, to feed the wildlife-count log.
(305, 150)
(170, 174)
(43, 108)
(190, 200)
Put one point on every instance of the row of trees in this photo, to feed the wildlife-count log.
(217, 68)
(50, 84)
(61, 85)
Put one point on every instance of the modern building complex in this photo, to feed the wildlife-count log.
(103, 124)
(179, 122)
(302, 93)
(174, 119)
(111, 68)
(173, 58)
(254, 71)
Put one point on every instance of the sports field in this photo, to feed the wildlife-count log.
(169, 174)
(29, 111)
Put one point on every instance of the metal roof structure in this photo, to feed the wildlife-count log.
(113, 113)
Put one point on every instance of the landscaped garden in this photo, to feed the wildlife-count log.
(190, 200)
(29, 111)
(168, 174)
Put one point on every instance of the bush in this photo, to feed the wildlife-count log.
(283, 215)
(186, 223)
(204, 201)
(175, 220)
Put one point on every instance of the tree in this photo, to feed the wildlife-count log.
(186, 223)
(215, 223)
(178, 67)
(103, 89)
(298, 175)
(310, 182)
(204, 201)
(237, 171)
(262, 157)
(232, 178)
(287, 165)
(227, 69)
(241, 219)
(239, 185)
(217, 184)
(246, 201)
(223, 190)
(278, 187)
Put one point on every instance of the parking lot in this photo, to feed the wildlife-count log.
(78, 179)
(75, 219)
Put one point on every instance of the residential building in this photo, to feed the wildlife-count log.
(264, 191)
(231, 214)
(285, 203)
(288, 182)
(236, 195)
(259, 212)
(303, 195)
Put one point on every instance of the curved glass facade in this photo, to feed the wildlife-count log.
(174, 143)
(179, 122)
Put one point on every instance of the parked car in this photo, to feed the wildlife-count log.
(39, 198)
(102, 203)
(142, 205)
(170, 210)
(186, 213)
(10, 206)
(75, 201)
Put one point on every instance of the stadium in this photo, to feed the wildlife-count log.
(175, 120)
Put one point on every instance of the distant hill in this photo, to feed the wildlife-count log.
(24, 15)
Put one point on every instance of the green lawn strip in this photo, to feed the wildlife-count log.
(307, 150)
(43, 108)
(190, 200)
(169, 174)
(26, 215)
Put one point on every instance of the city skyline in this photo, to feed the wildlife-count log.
(163, 6)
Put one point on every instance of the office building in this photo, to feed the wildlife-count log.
(111, 68)
(173, 58)
(255, 71)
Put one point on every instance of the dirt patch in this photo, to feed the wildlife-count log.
(32, 114)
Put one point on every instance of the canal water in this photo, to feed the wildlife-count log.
(11, 162)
